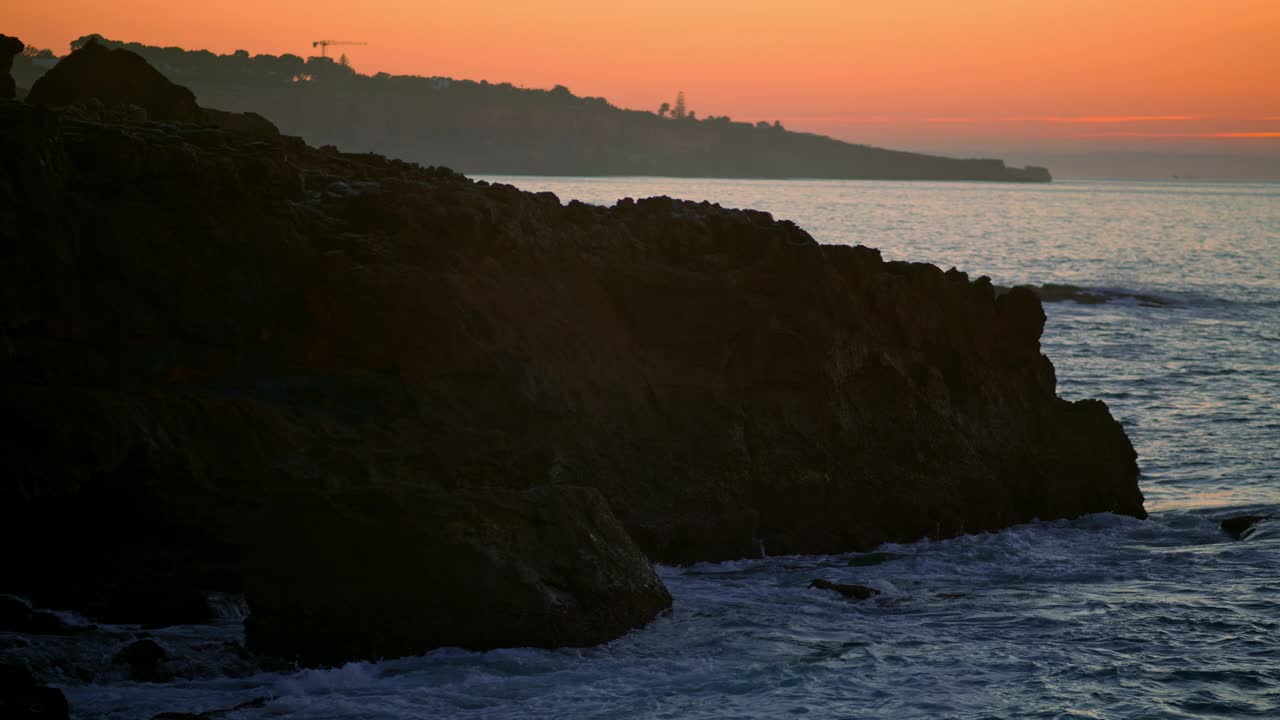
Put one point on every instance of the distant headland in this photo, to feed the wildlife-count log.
(489, 128)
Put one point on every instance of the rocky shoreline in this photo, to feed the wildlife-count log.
(399, 409)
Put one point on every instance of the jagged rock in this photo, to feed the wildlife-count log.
(143, 658)
(1240, 526)
(115, 77)
(22, 699)
(368, 575)
(198, 321)
(852, 592)
(9, 46)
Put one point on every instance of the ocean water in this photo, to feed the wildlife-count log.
(1100, 617)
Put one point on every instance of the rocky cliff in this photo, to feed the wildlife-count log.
(9, 47)
(368, 392)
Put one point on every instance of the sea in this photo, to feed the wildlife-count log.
(1097, 617)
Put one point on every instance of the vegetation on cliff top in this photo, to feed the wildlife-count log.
(482, 127)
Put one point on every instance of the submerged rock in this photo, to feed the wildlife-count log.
(873, 558)
(1241, 526)
(852, 592)
(213, 714)
(1053, 292)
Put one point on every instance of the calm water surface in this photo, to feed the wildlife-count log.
(1102, 617)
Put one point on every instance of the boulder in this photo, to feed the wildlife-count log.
(849, 591)
(143, 658)
(367, 575)
(22, 699)
(115, 77)
(9, 46)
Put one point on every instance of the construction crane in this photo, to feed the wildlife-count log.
(324, 45)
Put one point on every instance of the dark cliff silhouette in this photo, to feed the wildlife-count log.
(9, 47)
(480, 127)
(399, 409)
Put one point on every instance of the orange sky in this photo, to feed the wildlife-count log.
(918, 74)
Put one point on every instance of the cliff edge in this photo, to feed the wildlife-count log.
(365, 392)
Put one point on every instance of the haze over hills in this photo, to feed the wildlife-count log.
(480, 127)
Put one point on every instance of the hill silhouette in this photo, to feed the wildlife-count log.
(482, 127)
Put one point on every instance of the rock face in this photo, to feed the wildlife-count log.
(9, 46)
(546, 567)
(197, 320)
(114, 76)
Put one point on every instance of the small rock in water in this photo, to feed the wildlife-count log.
(872, 558)
(212, 714)
(1238, 527)
(143, 658)
(853, 592)
(1052, 292)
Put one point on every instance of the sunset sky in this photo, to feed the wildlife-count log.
(917, 74)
